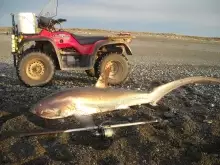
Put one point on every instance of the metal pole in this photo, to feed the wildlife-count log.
(130, 124)
(87, 128)
(58, 131)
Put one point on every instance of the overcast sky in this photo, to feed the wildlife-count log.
(190, 17)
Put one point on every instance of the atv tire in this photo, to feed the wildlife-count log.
(120, 64)
(35, 69)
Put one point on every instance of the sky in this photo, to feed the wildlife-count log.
(187, 17)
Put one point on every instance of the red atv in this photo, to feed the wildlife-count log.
(61, 50)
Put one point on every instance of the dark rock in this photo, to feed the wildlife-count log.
(169, 114)
(44, 160)
(110, 160)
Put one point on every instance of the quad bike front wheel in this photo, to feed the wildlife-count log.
(120, 68)
(35, 69)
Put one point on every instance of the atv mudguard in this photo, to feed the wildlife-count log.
(123, 45)
(21, 44)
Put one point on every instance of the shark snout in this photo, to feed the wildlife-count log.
(36, 109)
(45, 111)
(33, 110)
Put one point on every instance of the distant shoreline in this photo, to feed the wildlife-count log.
(133, 33)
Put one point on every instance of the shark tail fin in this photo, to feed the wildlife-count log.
(102, 82)
(164, 89)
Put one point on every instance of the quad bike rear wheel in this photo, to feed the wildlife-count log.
(120, 67)
(35, 69)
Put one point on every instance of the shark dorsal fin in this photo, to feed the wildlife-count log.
(104, 76)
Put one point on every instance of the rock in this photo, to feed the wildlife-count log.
(186, 117)
(169, 114)
(208, 121)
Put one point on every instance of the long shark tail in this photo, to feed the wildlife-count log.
(162, 90)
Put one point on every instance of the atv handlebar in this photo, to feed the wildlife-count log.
(48, 23)
(59, 20)
(14, 26)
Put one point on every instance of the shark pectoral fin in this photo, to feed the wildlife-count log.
(122, 107)
(154, 104)
(104, 76)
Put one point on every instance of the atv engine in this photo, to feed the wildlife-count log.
(70, 57)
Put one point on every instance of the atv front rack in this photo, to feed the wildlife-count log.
(121, 37)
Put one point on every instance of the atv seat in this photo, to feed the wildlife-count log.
(86, 40)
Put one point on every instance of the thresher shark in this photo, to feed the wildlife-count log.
(84, 102)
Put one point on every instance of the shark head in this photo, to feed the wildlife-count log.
(57, 105)
(53, 108)
(45, 111)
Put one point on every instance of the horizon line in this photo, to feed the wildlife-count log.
(132, 31)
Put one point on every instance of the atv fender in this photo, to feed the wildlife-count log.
(123, 45)
(42, 39)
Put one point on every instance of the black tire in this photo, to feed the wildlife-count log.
(122, 63)
(90, 72)
(38, 58)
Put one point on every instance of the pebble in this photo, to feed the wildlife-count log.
(208, 121)
(169, 114)
(186, 117)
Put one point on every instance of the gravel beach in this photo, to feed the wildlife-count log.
(188, 135)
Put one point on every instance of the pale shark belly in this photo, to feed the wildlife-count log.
(89, 107)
